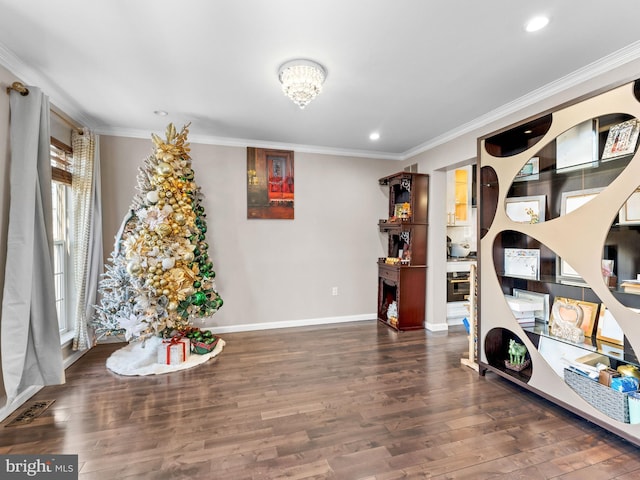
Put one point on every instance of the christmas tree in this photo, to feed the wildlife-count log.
(159, 277)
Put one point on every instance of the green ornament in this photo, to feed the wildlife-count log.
(199, 298)
(219, 302)
(197, 284)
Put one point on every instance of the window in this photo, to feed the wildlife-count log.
(61, 205)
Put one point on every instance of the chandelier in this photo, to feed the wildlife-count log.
(301, 80)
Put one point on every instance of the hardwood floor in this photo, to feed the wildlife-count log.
(346, 401)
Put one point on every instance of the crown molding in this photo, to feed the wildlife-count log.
(599, 67)
(67, 105)
(244, 142)
(30, 76)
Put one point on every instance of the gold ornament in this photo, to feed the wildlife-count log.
(188, 257)
(172, 306)
(179, 218)
(163, 229)
(164, 169)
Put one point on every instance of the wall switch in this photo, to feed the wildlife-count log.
(334, 291)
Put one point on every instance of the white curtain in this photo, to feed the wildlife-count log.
(87, 208)
(29, 333)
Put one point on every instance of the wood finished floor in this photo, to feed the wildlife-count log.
(347, 401)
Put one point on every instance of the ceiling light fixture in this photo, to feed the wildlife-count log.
(536, 24)
(374, 136)
(302, 80)
(161, 113)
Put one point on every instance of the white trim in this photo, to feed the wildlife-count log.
(74, 357)
(19, 401)
(248, 327)
(605, 64)
(246, 142)
(437, 327)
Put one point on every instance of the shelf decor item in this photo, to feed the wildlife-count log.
(530, 171)
(609, 401)
(522, 262)
(526, 209)
(621, 140)
(630, 212)
(542, 314)
(566, 320)
(577, 147)
(608, 328)
(517, 357)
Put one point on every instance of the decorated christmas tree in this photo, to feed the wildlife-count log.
(159, 277)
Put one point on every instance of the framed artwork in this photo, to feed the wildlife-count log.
(575, 199)
(539, 314)
(577, 147)
(526, 209)
(608, 328)
(630, 212)
(572, 201)
(621, 140)
(530, 171)
(522, 262)
(589, 314)
(270, 184)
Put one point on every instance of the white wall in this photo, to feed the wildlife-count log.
(271, 271)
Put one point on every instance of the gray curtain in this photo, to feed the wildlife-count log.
(29, 334)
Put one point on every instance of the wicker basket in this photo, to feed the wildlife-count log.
(609, 401)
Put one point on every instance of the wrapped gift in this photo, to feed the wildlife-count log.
(174, 351)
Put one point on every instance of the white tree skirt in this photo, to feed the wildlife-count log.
(140, 358)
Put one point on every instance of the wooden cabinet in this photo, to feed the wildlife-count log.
(559, 223)
(402, 273)
(459, 196)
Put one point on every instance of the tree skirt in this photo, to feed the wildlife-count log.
(140, 358)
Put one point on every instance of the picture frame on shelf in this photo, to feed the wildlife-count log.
(608, 328)
(589, 314)
(522, 262)
(577, 198)
(543, 314)
(526, 209)
(621, 139)
(630, 212)
(530, 171)
(577, 147)
(571, 201)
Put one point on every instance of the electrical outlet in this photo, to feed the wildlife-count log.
(334, 291)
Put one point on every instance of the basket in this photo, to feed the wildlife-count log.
(611, 402)
(202, 348)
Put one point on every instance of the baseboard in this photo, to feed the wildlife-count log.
(247, 327)
(437, 327)
(19, 401)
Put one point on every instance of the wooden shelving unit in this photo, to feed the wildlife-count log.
(402, 274)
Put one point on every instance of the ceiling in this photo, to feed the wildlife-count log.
(416, 71)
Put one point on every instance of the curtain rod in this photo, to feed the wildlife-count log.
(18, 87)
(24, 91)
(68, 122)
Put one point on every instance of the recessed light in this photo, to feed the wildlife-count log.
(161, 113)
(528, 132)
(374, 136)
(536, 23)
